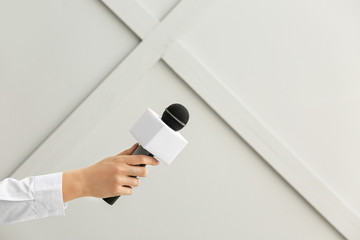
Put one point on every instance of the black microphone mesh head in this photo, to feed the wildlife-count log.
(175, 116)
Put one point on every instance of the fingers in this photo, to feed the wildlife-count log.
(130, 150)
(141, 159)
(125, 170)
(138, 159)
(125, 190)
(132, 181)
(137, 171)
(124, 186)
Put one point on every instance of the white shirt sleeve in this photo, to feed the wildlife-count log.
(31, 198)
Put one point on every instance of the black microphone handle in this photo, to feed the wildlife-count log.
(139, 151)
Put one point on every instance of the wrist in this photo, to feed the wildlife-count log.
(73, 185)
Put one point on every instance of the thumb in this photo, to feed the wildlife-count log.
(130, 150)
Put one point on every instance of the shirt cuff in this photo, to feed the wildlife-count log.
(48, 195)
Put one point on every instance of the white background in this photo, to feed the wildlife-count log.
(292, 67)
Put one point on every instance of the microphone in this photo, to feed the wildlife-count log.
(159, 136)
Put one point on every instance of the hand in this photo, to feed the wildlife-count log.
(110, 177)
